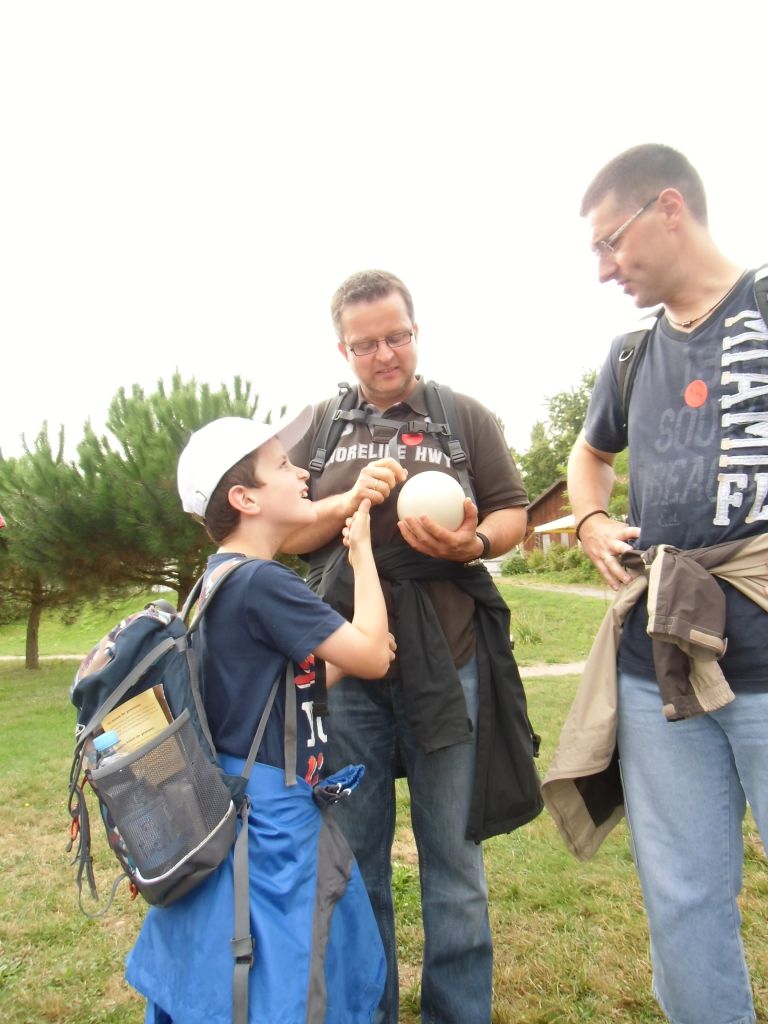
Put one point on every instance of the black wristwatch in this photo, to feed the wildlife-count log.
(486, 545)
(484, 553)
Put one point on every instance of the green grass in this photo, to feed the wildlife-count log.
(551, 627)
(548, 627)
(66, 633)
(570, 938)
(56, 965)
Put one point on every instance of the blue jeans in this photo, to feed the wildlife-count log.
(686, 786)
(367, 723)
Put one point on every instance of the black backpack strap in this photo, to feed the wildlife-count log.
(328, 433)
(442, 415)
(442, 412)
(630, 356)
(320, 700)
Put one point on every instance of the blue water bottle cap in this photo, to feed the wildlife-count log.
(105, 741)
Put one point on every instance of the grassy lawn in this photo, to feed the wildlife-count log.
(570, 938)
(75, 633)
(547, 626)
(551, 627)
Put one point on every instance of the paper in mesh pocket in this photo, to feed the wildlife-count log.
(171, 809)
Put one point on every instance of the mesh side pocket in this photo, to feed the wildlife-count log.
(165, 799)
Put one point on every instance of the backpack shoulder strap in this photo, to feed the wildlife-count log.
(328, 433)
(441, 406)
(241, 943)
(205, 595)
(195, 657)
(630, 354)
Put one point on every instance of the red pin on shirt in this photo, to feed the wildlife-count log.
(696, 394)
(411, 439)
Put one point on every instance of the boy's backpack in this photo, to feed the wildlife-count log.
(632, 347)
(169, 810)
(442, 422)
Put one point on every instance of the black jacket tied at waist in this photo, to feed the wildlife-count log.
(506, 786)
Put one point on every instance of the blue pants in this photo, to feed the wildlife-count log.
(311, 922)
(686, 786)
(367, 722)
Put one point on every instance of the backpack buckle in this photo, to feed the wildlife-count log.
(318, 461)
(242, 950)
(458, 455)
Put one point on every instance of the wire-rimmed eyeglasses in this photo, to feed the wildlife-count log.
(607, 246)
(368, 346)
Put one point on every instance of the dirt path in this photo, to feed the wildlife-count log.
(569, 668)
(44, 657)
(527, 671)
(583, 590)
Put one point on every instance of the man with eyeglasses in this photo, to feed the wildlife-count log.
(373, 723)
(696, 435)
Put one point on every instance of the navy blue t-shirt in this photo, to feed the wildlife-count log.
(698, 458)
(263, 615)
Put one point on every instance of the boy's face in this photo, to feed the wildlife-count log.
(283, 496)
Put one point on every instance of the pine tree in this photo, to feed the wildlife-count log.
(78, 531)
(37, 571)
(138, 531)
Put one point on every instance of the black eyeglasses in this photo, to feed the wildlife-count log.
(607, 246)
(398, 339)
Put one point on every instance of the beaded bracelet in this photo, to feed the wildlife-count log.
(594, 512)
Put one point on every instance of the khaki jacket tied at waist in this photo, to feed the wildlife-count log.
(686, 621)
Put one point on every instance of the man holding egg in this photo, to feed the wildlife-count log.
(434, 718)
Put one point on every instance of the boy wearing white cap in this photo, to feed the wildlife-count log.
(235, 476)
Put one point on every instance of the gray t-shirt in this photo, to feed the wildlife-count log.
(698, 458)
(493, 475)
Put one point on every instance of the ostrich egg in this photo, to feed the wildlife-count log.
(432, 494)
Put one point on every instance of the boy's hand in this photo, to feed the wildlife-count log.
(376, 482)
(356, 534)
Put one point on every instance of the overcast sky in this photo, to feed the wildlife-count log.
(184, 185)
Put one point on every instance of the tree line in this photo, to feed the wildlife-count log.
(88, 528)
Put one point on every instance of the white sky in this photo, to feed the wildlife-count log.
(183, 185)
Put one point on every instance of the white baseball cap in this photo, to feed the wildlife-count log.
(219, 445)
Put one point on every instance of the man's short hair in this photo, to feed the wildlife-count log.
(636, 174)
(367, 286)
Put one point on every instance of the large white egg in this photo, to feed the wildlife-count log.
(432, 494)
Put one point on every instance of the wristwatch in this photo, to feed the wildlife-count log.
(484, 553)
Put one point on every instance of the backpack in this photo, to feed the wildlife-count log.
(633, 345)
(169, 810)
(442, 413)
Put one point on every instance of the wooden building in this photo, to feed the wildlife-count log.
(550, 520)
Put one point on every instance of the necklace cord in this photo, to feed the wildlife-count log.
(685, 324)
